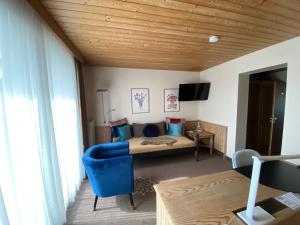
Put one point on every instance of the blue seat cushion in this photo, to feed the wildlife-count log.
(124, 132)
(151, 130)
(175, 129)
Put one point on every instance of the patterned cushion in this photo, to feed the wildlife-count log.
(118, 122)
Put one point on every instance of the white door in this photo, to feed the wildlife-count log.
(103, 108)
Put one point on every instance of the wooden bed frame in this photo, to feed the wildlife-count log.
(175, 151)
(103, 134)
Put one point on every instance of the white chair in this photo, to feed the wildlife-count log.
(243, 158)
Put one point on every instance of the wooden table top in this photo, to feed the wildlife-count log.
(203, 134)
(208, 199)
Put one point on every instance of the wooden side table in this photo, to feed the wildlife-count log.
(198, 136)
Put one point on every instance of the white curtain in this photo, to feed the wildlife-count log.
(66, 116)
(3, 215)
(40, 133)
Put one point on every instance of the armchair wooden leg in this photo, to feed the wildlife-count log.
(131, 201)
(95, 202)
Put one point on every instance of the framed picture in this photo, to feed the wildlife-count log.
(171, 100)
(140, 100)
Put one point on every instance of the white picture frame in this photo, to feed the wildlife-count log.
(140, 100)
(171, 102)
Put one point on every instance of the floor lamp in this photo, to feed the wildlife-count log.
(255, 215)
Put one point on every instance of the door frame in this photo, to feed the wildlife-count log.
(242, 103)
(258, 132)
(272, 124)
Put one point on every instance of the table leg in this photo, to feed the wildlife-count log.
(211, 144)
(197, 149)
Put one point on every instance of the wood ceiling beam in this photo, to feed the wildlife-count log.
(42, 12)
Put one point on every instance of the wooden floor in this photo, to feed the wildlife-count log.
(117, 210)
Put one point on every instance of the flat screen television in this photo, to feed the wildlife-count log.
(193, 92)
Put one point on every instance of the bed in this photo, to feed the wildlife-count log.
(183, 143)
(135, 146)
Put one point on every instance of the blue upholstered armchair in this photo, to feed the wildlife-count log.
(109, 168)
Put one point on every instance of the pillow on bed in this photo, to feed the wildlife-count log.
(124, 132)
(161, 128)
(174, 120)
(114, 128)
(175, 129)
(118, 122)
(151, 130)
(115, 131)
(138, 129)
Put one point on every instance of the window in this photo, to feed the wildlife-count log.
(41, 140)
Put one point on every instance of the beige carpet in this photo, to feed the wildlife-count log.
(117, 210)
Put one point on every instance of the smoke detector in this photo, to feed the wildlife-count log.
(213, 38)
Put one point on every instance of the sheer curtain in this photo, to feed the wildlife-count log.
(3, 215)
(41, 141)
(65, 111)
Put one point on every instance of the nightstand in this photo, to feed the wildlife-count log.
(198, 137)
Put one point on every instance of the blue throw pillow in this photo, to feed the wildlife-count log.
(151, 130)
(114, 130)
(124, 132)
(175, 129)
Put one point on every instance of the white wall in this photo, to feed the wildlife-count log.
(221, 106)
(119, 81)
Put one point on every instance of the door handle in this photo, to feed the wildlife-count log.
(273, 120)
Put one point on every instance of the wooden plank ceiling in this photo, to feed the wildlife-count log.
(173, 34)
